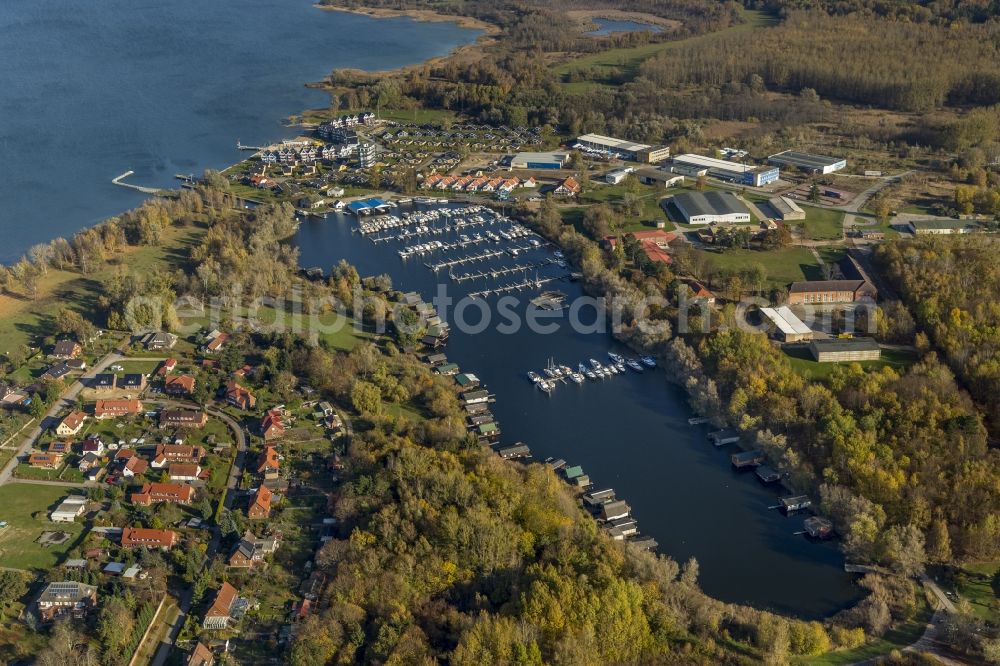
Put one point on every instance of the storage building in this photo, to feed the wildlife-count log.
(539, 160)
(788, 327)
(626, 150)
(940, 227)
(786, 209)
(734, 172)
(845, 349)
(807, 162)
(709, 207)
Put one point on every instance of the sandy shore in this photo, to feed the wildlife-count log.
(420, 15)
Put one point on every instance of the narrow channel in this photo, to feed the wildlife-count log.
(629, 431)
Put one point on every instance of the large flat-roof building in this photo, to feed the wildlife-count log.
(626, 150)
(807, 161)
(845, 349)
(711, 207)
(539, 160)
(744, 174)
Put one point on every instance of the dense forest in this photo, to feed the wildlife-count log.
(917, 11)
(888, 64)
(951, 286)
(446, 552)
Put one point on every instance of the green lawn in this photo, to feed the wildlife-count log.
(783, 266)
(803, 364)
(18, 501)
(140, 367)
(979, 584)
(23, 321)
(823, 223)
(894, 639)
(623, 63)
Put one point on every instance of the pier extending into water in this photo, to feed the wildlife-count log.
(119, 180)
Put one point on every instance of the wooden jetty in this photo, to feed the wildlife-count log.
(493, 273)
(517, 286)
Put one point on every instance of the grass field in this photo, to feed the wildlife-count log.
(823, 223)
(623, 64)
(783, 266)
(803, 364)
(18, 501)
(894, 639)
(23, 321)
(979, 584)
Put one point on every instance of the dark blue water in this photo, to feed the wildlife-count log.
(89, 90)
(629, 432)
(609, 26)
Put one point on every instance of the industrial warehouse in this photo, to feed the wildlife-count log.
(788, 327)
(710, 207)
(626, 150)
(845, 349)
(734, 172)
(539, 160)
(807, 162)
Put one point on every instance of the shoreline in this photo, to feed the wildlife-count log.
(476, 48)
(584, 17)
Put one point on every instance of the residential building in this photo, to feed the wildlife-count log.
(220, 612)
(268, 463)
(168, 366)
(216, 340)
(252, 551)
(182, 418)
(807, 162)
(71, 425)
(71, 508)
(56, 371)
(133, 382)
(184, 471)
(66, 597)
(174, 453)
(709, 207)
(700, 294)
(159, 340)
(88, 461)
(104, 383)
(134, 537)
(66, 349)
(655, 243)
(45, 460)
(93, 444)
(240, 397)
(271, 426)
(152, 493)
(567, 188)
(845, 349)
(260, 506)
(109, 409)
(366, 155)
(135, 466)
(61, 448)
(201, 656)
(182, 385)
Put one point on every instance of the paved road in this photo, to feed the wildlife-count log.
(66, 401)
(235, 472)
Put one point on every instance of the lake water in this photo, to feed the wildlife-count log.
(629, 432)
(90, 90)
(609, 26)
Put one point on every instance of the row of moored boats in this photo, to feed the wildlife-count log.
(593, 370)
